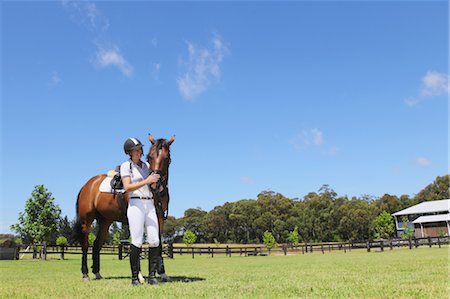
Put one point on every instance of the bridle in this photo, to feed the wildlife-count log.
(157, 194)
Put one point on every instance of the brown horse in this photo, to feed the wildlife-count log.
(105, 208)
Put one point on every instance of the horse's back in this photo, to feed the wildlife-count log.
(88, 195)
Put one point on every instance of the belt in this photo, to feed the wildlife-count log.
(141, 197)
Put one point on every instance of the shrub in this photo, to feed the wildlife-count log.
(61, 241)
(189, 238)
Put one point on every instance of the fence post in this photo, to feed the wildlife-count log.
(390, 244)
(192, 252)
(306, 247)
(120, 252)
(62, 252)
(410, 243)
(439, 242)
(368, 245)
(429, 241)
(227, 251)
(212, 252)
(17, 257)
(416, 243)
(285, 249)
(345, 250)
(303, 250)
(311, 248)
(44, 251)
(171, 250)
(322, 249)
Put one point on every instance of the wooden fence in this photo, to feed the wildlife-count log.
(121, 251)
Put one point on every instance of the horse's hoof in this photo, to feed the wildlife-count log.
(165, 277)
(98, 276)
(141, 278)
(85, 278)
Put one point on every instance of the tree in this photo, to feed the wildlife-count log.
(437, 190)
(383, 226)
(65, 229)
(293, 236)
(171, 228)
(40, 219)
(189, 238)
(269, 240)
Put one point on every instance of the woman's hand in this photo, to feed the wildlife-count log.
(153, 178)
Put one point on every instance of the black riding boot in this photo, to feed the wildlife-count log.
(153, 255)
(135, 253)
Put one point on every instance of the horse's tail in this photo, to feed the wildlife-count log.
(77, 229)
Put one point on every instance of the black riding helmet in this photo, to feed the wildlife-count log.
(131, 144)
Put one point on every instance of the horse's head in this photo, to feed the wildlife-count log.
(159, 157)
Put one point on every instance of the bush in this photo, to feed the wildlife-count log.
(61, 241)
(189, 238)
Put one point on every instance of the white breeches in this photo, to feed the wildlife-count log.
(142, 214)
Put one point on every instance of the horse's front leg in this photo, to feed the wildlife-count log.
(99, 240)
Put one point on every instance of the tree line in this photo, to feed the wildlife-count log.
(321, 216)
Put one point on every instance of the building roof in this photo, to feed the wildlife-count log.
(433, 218)
(426, 207)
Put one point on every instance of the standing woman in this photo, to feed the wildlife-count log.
(141, 209)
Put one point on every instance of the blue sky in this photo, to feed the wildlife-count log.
(281, 96)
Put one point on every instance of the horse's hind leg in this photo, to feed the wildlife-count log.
(84, 230)
(99, 240)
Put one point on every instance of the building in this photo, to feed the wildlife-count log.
(429, 218)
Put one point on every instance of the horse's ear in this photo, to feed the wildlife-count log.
(171, 140)
(152, 140)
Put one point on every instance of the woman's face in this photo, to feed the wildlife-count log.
(136, 153)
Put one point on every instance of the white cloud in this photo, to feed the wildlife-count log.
(423, 162)
(55, 79)
(410, 102)
(332, 151)
(246, 180)
(155, 71)
(113, 57)
(154, 42)
(201, 69)
(434, 84)
(317, 136)
(307, 138)
(87, 14)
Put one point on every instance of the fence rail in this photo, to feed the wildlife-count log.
(170, 250)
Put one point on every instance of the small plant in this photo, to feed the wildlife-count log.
(91, 239)
(442, 234)
(408, 233)
(116, 238)
(189, 238)
(293, 236)
(269, 240)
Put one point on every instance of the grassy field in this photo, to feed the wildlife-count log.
(400, 273)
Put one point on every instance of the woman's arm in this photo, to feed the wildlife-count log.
(129, 186)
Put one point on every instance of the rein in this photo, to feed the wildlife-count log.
(157, 194)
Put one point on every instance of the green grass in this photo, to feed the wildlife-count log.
(400, 273)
